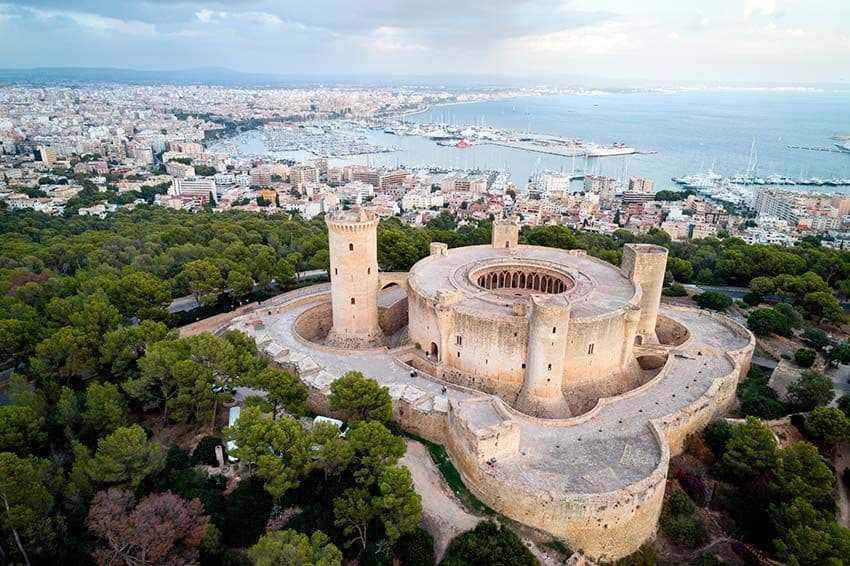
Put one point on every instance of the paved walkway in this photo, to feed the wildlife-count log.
(612, 450)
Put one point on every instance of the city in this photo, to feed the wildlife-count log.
(336, 283)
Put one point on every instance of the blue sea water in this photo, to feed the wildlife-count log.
(691, 131)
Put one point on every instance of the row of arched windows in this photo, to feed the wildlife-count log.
(522, 280)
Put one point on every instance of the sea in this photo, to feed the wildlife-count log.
(676, 132)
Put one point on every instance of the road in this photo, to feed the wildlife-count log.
(187, 303)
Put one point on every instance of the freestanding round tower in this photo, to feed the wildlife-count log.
(645, 265)
(353, 243)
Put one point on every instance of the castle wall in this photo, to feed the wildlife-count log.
(487, 353)
(605, 526)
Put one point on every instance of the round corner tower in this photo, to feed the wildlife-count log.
(645, 265)
(353, 245)
(548, 329)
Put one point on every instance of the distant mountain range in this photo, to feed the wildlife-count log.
(43, 76)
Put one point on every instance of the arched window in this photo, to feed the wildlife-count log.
(352, 300)
(350, 247)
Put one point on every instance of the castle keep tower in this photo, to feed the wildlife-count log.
(505, 233)
(353, 243)
(645, 265)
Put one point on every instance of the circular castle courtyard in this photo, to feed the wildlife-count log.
(557, 382)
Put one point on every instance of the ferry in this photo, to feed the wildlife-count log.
(594, 150)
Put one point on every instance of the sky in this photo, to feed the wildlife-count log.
(741, 41)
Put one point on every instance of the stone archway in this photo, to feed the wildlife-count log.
(435, 351)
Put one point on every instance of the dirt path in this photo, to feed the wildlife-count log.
(841, 461)
(443, 515)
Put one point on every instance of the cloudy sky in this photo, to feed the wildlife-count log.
(784, 41)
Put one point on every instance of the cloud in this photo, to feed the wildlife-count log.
(604, 39)
(93, 21)
(760, 8)
(674, 36)
(220, 16)
(388, 38)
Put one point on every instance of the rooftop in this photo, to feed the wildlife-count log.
(594, 287)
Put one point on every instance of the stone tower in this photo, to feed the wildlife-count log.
(645, 265)
(548, 327)
(353, 243)
(505, 233)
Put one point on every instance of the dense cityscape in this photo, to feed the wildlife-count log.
(93, 150)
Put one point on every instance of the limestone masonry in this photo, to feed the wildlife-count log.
(558, 383)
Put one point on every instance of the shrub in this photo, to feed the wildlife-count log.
(683, 531)
(805, 357)
(753, 299)
(190, 484)
(245, 514)
(764, 322)
(204, 452)
(816, 338)
(259, 402)
(416, 548)
(489, 543)
(678, 503)
(811, 390)
(714, 301)
(644, 556)
(694, 485)
(674, 290)
(377, 554)
(716, 434)
(758, 399)
(795, 319)
(696, 446)
(176, 459)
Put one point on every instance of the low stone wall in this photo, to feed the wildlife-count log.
(670, 332)
(605, 526)
(315, 323)
(394, 318)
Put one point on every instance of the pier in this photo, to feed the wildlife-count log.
(811, 148)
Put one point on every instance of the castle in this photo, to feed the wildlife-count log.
(558, 383)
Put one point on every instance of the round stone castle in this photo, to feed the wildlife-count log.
(557, 382)
(549, 331)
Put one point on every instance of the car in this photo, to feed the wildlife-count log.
(223, 388)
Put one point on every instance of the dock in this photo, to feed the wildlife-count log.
(811, 148)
